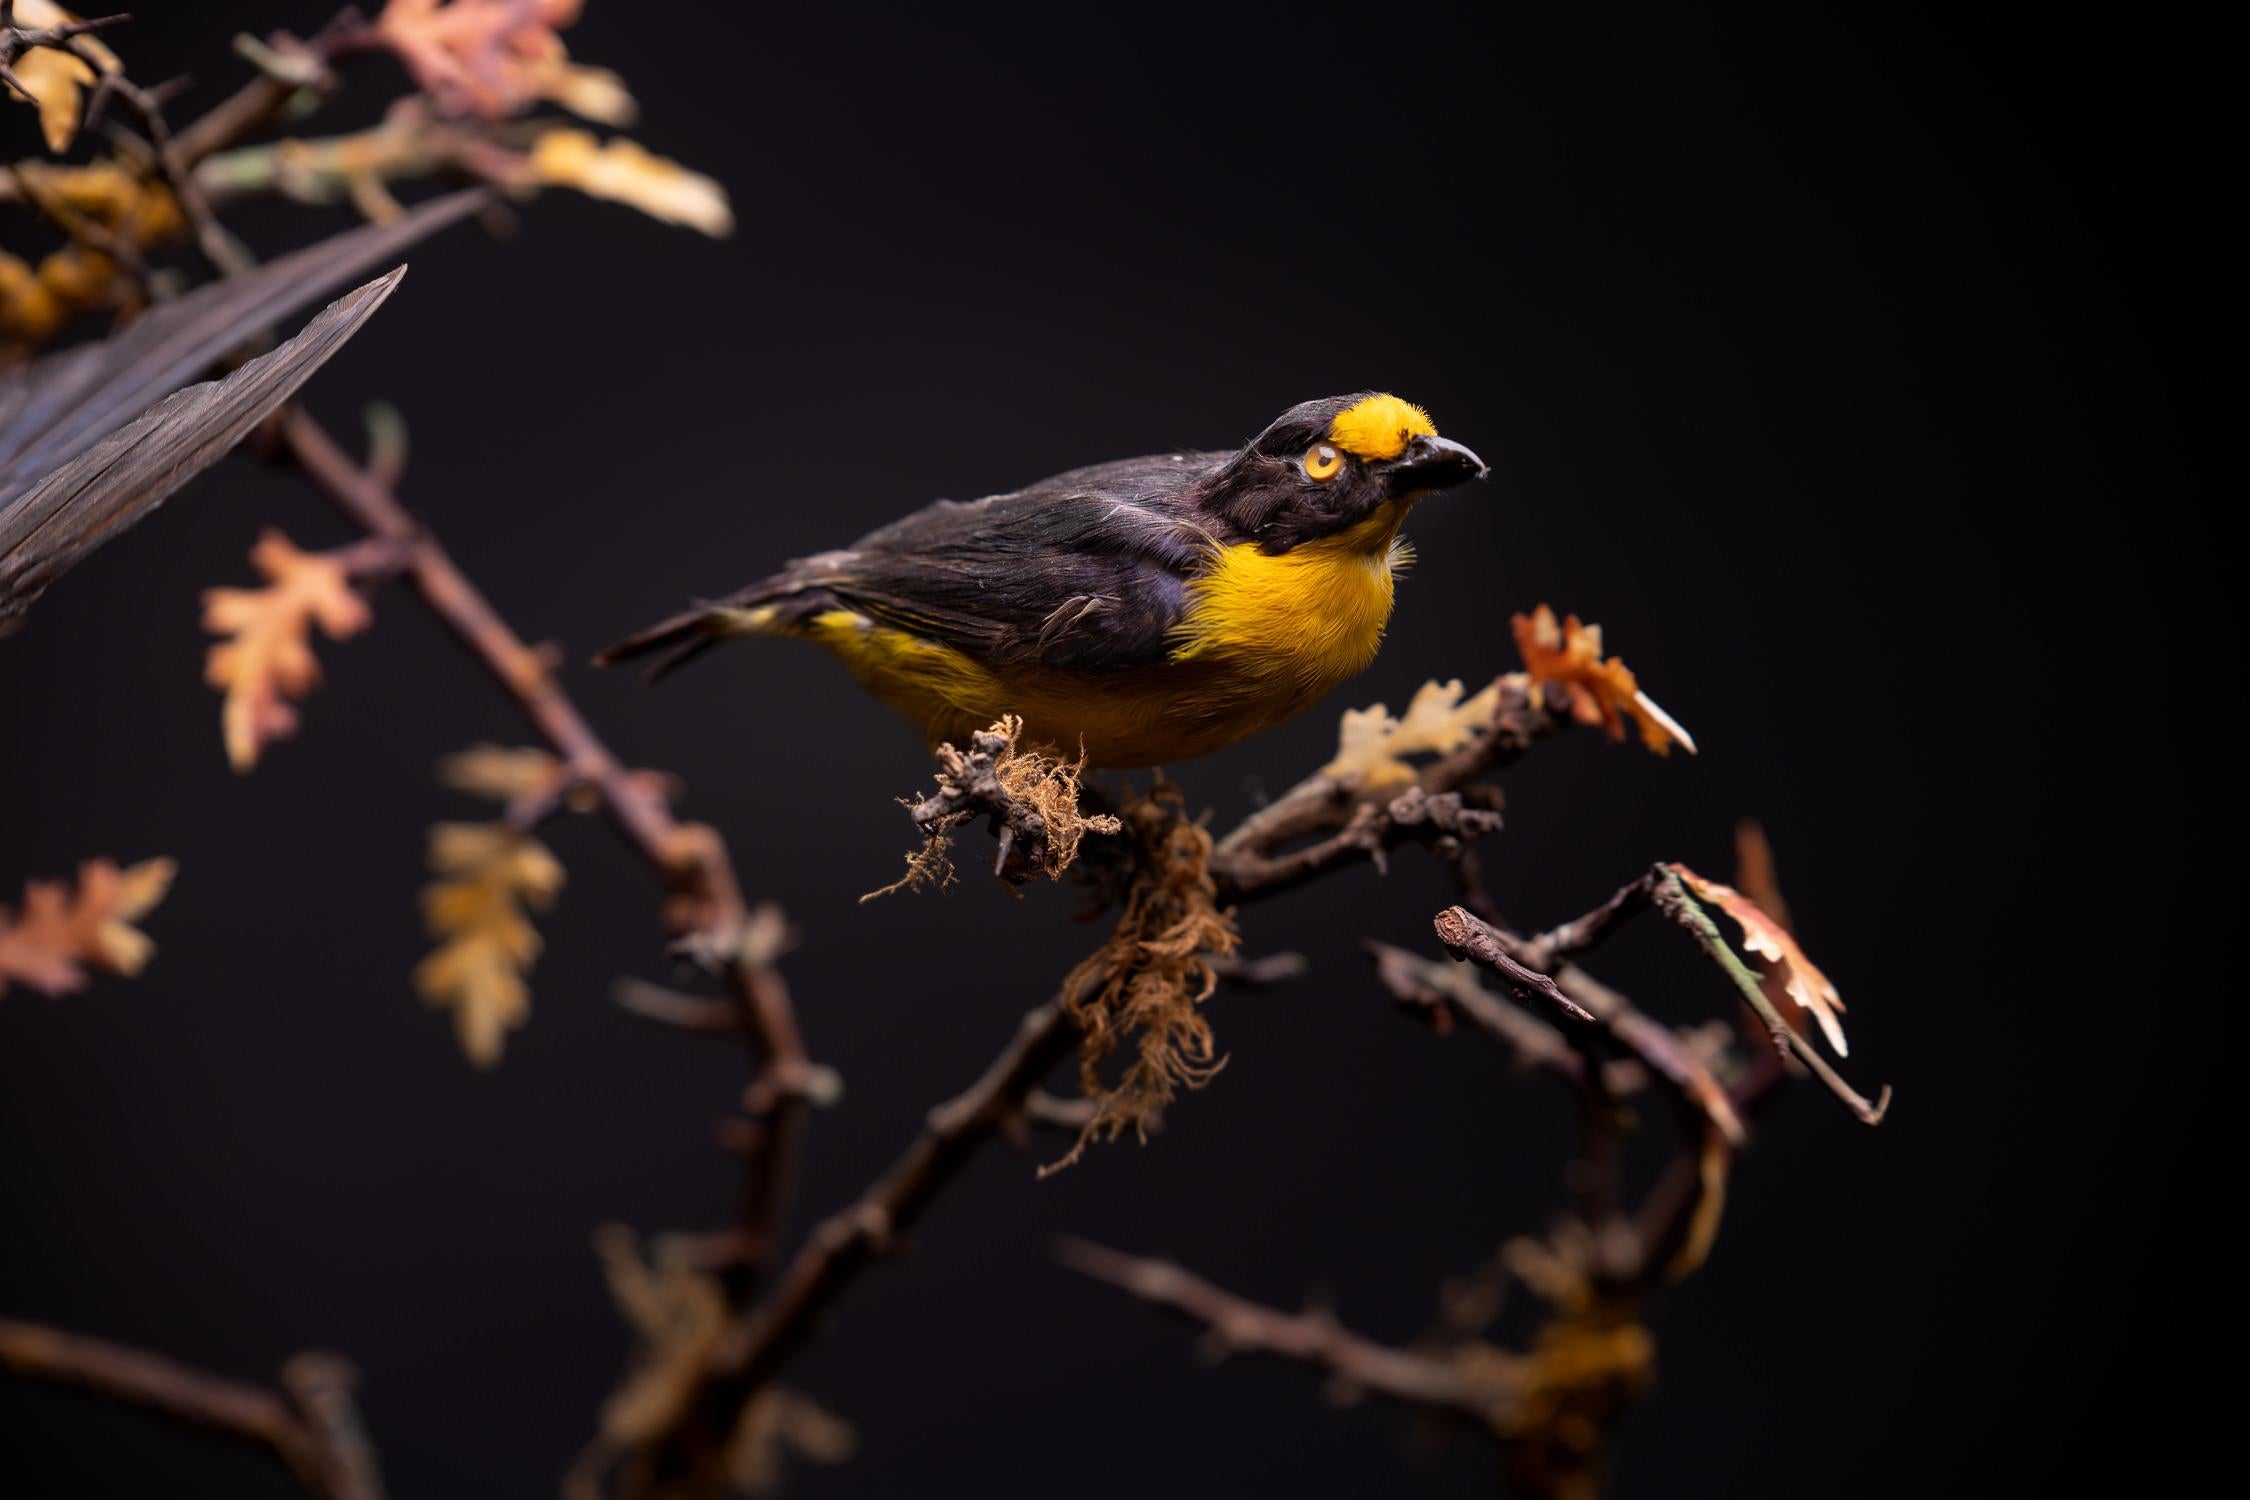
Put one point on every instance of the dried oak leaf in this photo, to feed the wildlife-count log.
(268, 658)
(496, 58)
(622, 171)
(1370, 743)
(61, 933)
(488, 874)
(1568, 656)
(54, 79)
(1804, 985)
(499, 772)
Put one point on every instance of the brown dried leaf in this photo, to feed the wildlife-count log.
(623, 172)
(489, 873)
(268, 657)
(496, 58)
(1807, 989)
(55, 79)
(61, 933)
(1568, 656)
(1370, 743)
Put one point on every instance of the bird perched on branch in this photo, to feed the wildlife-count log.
(1146, 611)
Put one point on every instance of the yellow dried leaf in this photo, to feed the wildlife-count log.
(1568, 656)
(622, 171)
(1370, 744)
(61, 933)
(594, 94)
(267, 658)
(489, 873)
(56, 80)
(1804, 985)
(499, 772)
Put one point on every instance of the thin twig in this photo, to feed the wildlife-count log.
(707, 910)
(1240, 1326)
(1468, 936)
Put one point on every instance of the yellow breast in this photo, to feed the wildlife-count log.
(1263, 638)
(1313, 615)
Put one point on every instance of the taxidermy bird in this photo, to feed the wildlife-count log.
(1145, 611)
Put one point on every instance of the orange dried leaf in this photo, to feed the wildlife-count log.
(622, 171)
(1787, 968)
(1568, 656)
(489, 873)
(268, 657)
(1370, 744)
(56, 80)
(61, 933)
(496, 58)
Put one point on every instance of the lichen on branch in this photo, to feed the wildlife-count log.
(1029, 797)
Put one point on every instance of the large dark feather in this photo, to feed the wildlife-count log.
(56, 408)
(49, 528)
(83, 454)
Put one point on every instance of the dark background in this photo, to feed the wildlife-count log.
(1866, 377)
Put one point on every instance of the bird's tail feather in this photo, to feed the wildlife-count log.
(684, 637)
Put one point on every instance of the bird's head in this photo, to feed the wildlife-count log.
(1326, 467)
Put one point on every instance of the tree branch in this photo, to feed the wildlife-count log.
(1439, 809)
(314, 1428)
(707, 911)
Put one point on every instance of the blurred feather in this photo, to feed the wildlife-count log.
(83, 454)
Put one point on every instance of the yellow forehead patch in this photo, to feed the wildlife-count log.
(1379, 427)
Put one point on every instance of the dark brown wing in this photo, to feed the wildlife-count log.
(1087, 570)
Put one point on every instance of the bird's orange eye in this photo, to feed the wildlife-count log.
(1322, 462)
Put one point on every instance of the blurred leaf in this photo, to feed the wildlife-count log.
(490, 873)
(496, 58)
(268, 657)
(623, 172)
(55, 79)
(500, 773)
(61, 933)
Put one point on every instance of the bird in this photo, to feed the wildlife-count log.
(1140, 612)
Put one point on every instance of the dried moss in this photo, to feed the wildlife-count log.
(1143, 990)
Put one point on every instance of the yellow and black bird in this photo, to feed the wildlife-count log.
(1148, 610)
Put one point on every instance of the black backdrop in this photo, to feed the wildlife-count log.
(1858, 373)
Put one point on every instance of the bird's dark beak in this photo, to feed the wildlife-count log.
(1429, 463)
